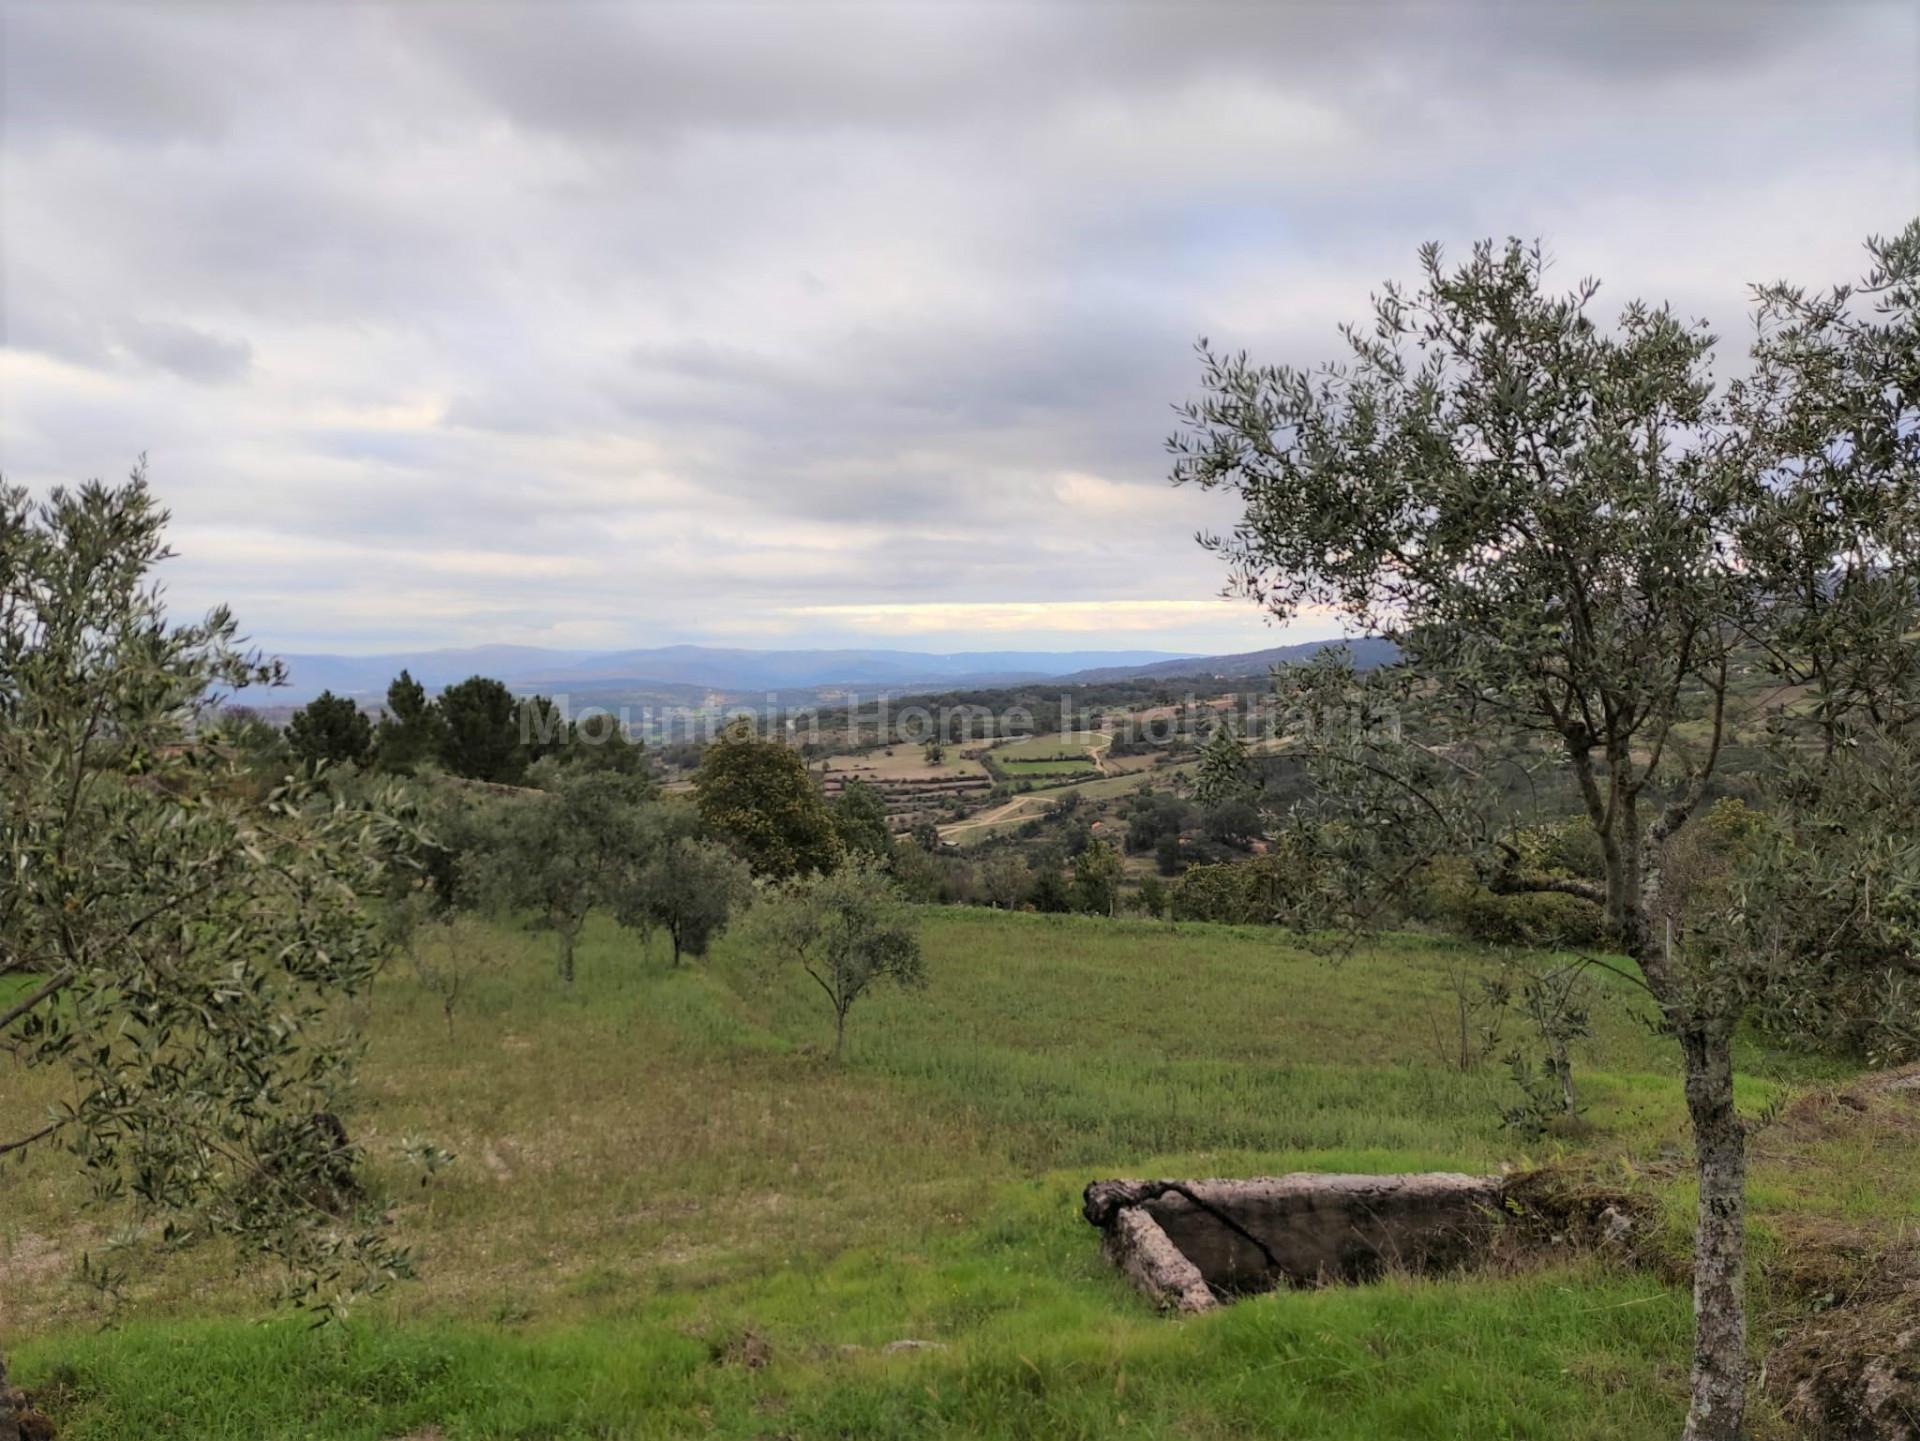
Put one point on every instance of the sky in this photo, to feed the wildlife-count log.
(797, 325)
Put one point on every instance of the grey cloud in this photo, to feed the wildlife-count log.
(188, 352)
(667, 70)
(110, 71)
(36, 316)
(634, 316)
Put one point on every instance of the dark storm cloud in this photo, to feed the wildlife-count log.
(608, 324)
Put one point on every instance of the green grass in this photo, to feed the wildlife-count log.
(1564, 1357)
(1050, 746)
(660, 1164)
(1019, 769)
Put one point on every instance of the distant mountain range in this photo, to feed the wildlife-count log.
(688, 672)
(1367, 653)
(693, 674)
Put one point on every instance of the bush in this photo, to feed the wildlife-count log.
(1541, 919)
(1274, 887)
(1447, 893)
(1049, 891)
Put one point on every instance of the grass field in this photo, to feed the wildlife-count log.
(1050, 746)
(906, 763)
(1020, 770)
(671, 1216)
(1002, 818)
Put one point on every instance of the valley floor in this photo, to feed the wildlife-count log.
(671, 1215)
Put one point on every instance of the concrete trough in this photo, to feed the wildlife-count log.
(1190, 1245)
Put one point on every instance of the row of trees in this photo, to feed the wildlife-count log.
(756, 836)
(477, 729)
(593, 841)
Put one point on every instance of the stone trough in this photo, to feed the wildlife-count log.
(1189, 1245)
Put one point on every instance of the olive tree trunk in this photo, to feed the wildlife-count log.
(1718, 1405)
(1716, 1408)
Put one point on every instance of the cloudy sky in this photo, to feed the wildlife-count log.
(591, 325)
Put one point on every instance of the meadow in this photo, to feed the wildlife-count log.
(670, 1215)
(1047, 769)
(903, 762)
(1051, 745)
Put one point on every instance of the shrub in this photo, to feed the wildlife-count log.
(1447, 893)
(1277, 886)
(1541, 919)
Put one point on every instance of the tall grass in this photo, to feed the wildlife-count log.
(663, 1183)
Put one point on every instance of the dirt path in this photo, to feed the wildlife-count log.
(1097, 749)
(999, 813)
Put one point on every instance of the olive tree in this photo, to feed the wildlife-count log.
(558, 853)
(450, 953)
(1004, 878)
(1580, 544)
(680, 880)
(168, 941)
(848, 930)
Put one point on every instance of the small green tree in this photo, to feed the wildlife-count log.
(681, 882)
(1234, 823)
(860, 820)
(848, 930)
(759, 797)
(449, 954)
(1096, 879)
(259, 744)
(1152, 897)
(1004, 879)
(173, 945)
(480, 736)
(920, 875)
(1226, 775)
(558, 853)
(599, 742)
(330, 730)
(1049, 890)
(543, 730)
(410, 732)
(934, 753)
